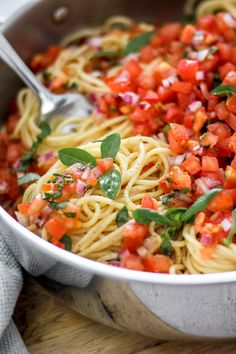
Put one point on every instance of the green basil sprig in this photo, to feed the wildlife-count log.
(146, 216)
(122, 216)
(28, 157)
(225, 90)
(110, 183)
(66, 240)
(138, 42)
(110, 146)
(229, 239)
(70, 156)
(58, 206)
(30, 177)
(106, 54)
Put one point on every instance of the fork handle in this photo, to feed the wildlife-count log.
(13, 60)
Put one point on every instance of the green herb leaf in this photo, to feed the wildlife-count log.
(69, 215)
(28, 157)
(70, 156)
(146, 216)
(200, 204)
(224, 90)
(175, 215)
(166, 247)
(137, 43)
(122, 216)
(30, 177)
(229, 239)
(166, 198)
(74, 86)
(66, 240)
(213, 49)
(166, 128)
(58, 206)
(107, 54)
(110, 183)
(110, 146)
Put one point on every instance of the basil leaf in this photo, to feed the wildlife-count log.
(200, 204)
(166, 198)
(110, 146)
(110, 183)
(107, 54)
(66, 240)
(122, 216)
(224, 90)
(30, 177)
(70, 156)
(137, 43)
(28, 157)
(166, 247)
(175, 215)
(58, 206)
(146, 216)
(69, 215)
(229, 239)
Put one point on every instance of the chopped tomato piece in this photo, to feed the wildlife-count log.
(133, 68)
(134, 234)
(157, 264)
(187, 34)
(180, 178)
(231, 103)
(36, 206)
(56, 228)
(148, 202)
(210, 164)
(12, 120)
(174, 115)
(223, 201)
(182, 87)
(24, 207)
(187, 70)
(131, 261)
(209, 140)
(147, 54)
(178, 137)
(192, 165)
(199, 122)
(105, 165)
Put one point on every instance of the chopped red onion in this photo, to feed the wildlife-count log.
(202, 54)
(202, 187)
(95, 42)
(123, 76)
(23, 220)
(114, 263)
(129, 98)
(183, 197)
(200, 75)
(226, 224)
(198, 36)
(17, 164)
(133, 56)
(80, 188)
(204, 90)
(124, 252)
(206, 239)
(142, 251)
(179, 159)
(206, 183)
(195, 106)
(86, 173)
(46, 156)
(229, 20)
(144, 105)
(169, 81)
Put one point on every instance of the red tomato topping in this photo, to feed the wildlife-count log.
(134, 234)
(157, 264)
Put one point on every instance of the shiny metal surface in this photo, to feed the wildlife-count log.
(50, 105)
(197, 307)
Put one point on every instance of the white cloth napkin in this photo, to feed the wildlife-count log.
(10, 286)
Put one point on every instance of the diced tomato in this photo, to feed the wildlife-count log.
(146, 82)
(68, 191)
(232, 143)
(225, 52)
(56, 228)
(233, 162)
(174, 115)
(134, 234)
(133, 68)
(187, 69)
(120, 83)
(210, 164)
(14, 152)
(207, 22)
(42, 61)
(223, 201)
(24, 207)
(36, 206)
(165, 94)
(180, 178)
(157, 264)
(182, 87)
(148, 202)
(12, 120)
(221, 111)
(177, 136)
(105, 165)
(199, 122)
(170, 32)
(230, 174)
(231, 104)
(147, 54)
(209, 139)
(225, 69)
(43, 167)
(231, 120)
(165, 186)
(192, 165)
(230, 79)
(187, 34)
(131, 261)
(219, 129)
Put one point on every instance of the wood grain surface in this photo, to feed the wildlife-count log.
(49, 327)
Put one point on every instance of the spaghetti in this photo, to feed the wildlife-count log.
(135, 208)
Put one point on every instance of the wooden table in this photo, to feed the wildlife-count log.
(49, 327)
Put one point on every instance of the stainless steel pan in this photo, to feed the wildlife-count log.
(160, 306)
